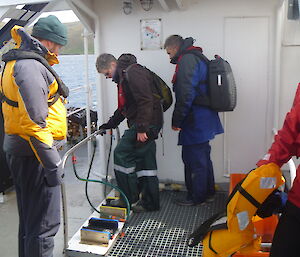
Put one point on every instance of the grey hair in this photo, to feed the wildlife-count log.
(173, 40)
(104, 61)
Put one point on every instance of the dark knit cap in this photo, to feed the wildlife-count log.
(126, 60)
(50, 28)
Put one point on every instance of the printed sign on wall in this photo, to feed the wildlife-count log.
(151, 38)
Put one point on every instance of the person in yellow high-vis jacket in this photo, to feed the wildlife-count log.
(34, 120)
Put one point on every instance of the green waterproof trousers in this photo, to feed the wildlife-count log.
(136, 170)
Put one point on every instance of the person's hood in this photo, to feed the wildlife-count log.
(187, 42)
(123, 62)
(26, 42)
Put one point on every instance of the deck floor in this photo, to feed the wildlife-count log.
(165, 232)
(161, 233)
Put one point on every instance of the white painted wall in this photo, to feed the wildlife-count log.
(205, 21)
(290, 78)
(289, 66)
(247, 125)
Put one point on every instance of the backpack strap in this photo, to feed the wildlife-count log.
(125, 72)
(206, 227)
(157, 92)
(55, 97)
(202, 99)
(3, 98)
(15, 104)
(243, 192)
(196, 51)
(18, 54)
(209, 243)
(249, 197)
(235, 189)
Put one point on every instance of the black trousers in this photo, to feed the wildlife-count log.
(5, 174)
(38, 206)
(286, 241)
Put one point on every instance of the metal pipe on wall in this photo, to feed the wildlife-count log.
(100, 97)
(88, 89)
(280, 12)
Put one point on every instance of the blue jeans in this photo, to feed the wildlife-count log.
(198, 170)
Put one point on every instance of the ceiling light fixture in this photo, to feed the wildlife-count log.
(146, 4)
(127, 7)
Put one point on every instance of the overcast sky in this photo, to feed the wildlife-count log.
(63, 16)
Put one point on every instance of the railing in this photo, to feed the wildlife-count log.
(63, 188)
(86, 140)
(87, 107)
(77, 110)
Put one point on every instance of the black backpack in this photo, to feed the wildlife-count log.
(162, 90)
(222, 95)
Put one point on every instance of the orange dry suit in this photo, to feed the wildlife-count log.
(231, 231)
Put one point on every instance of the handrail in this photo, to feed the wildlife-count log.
(74, 89)
(87, 139)
(77, 110)
(78, 145)
(63, 188)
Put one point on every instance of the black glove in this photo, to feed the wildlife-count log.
(102, 129)
(105, 126)
(111, 124)
(274, 204)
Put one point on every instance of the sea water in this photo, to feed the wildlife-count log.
(71, 69)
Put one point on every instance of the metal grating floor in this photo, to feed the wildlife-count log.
(164, 232)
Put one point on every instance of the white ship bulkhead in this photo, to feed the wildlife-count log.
(255, 36)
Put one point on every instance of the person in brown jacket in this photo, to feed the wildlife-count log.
(135, 155)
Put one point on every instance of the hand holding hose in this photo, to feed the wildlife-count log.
(102, 129)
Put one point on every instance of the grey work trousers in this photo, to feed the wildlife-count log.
(38, 206)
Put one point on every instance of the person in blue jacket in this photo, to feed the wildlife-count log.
(197, 124)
